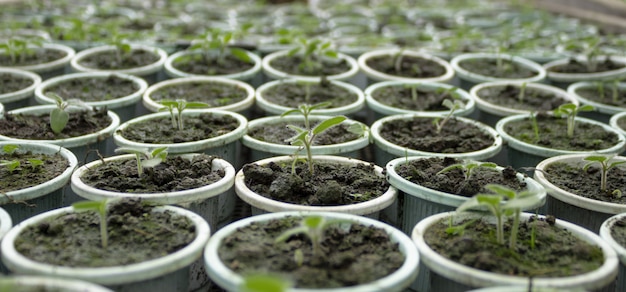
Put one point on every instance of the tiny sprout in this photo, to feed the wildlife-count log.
(313, 52)
(522, 92)
(11, 165)
(467, 167)
(570, 111)
(218, 41)
(59, 116)
(144, 157)
(606, 165)
(35, 163)
(264, 283)
(313, 227)
(453, 106)
(10, 148)
(179, 105)
(101, 209)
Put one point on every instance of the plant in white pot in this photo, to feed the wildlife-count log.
(17, 87)
(404, 65)
(306, 243)
(504, 246)
(606, 97)
(45, 59)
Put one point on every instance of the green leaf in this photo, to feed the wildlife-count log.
(321, 127)
(10, 148)
(263, 283)
(357, 128)
(501, 190)
(320, 105)
(293, 51)
(87, 206)
(586, 108)
(191, 105)
(58, 120)
(331, 54)
(241, 54)
(291, 111)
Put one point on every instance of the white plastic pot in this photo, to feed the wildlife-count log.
(614, 122)
(397, 281)
(167, 273)
(246, 75)
(375, 76)
(605, 233)
(53, 68)
(564, 79)
(602, 112)
(22, 97)
(39, 283)
(469, 78)
(273, 73)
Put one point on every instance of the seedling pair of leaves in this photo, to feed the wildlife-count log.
(12, 165)
(17, 47)
(313, 227)
(145, 157)
(176, 108)
(218, 41)
(570, 110)
(606, 163)
(59, 116)
(453, 106)
(313, 52)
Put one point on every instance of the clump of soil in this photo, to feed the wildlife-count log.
(108, 60)
(574, 179)
(37, 127)
(292, 65)
(215, 94)
(28, 175)
(415, 99)
(12, 83)
(136, 234)
(94, 88)
(608, 96)
(490, 67)
(174, 174)
(199, 65)
(553, 134)
(421, 134)
(425, 172)
(331, 184)
(534, 99)
(557, 253)
(412, 67)
(294, 94)
(575, 66)
(160, 130)
(279, 133)
(354, 256)
(36, 56)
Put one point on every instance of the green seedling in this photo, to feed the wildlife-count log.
(522, 92)
(19, 48)
(312, 227)
(535, 125)
(313, 52)
(606, 164)
(59, 115)
(11, 165)
(503, 202)
(35, 163)
(264, 283)
(570, 111)
(100, 207)
(468, 167)
(304, 137)
(122, 47)
(9, 148)
(453, 106)
(145, 157)
(217, 43)
(176, 109)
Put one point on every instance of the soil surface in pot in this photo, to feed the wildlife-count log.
(37, 127)
(279, 133)
(136, 234)
(425, 172)
(160, 130)
(331, 184)
(618, 232)
(608, 95)
(11, 83)
(28, 173)
(295, 65)
(198, 64)
(574, 179)
(621, 122)
(110, 60)
(421, 134)
(172, 175)
(351, 256)
(34, 57)
(413, 98)
(215, 94)
(556, 252)
(553, 134)
(574, 66)
(512, 97)
(90, 89)
(294, 94)
(409, 66)
(490, 67)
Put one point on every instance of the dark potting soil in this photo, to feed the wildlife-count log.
(574, 179)
(421, 134)
(279, 133)
(403, 97)
(553, 134)
(358, 255)
(489, 67)
(94, 88)
(575, 66)
(35, 56)
(199, 65)
(174, 174)
(292, 65)
(533, 99)
(108, 60)
(12, 83)
(557, 253)
(331, 184)
(215, 94)
(37, 127)
(412, 67)
(27, 175)
(294, 94)
(161, 131)
(136, 234)
(608, 96)
(618, 232)
(424, 172)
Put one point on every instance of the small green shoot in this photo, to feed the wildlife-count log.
(535, 125)
(468, 167)
(264, 283)
(453, 106)
(9, 148)
(217, 43)
(176, 109)
(145, 157)
(313, 227)
(11, 165)
(522, 92)
(606, 164)
(35, 163)
(59, 115)
(313, 52)
(570, 111)
(122, 47)
(100, 207)
(18, 48)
